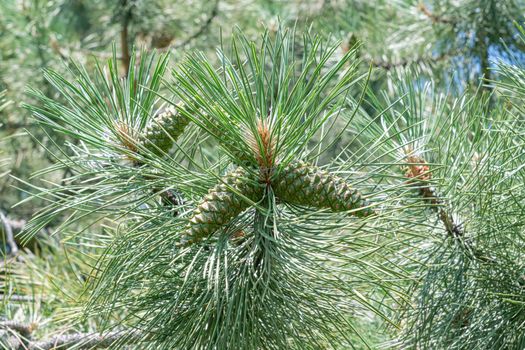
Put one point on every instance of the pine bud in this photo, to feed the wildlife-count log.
(222, 204)
(165, 128)
(419, 175)
(307, 185)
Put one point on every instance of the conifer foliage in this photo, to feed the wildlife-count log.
(256, 256)
(269, 198)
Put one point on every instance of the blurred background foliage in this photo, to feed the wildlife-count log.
(453, 42)
(442, 51)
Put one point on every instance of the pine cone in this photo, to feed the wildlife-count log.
(304, 184)
(222, 204)
(165, 128)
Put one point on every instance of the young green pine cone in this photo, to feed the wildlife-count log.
(222, 204)
(304, 184)
(165, 128)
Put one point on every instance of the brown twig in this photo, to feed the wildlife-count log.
(124, 36)
(86, 340)
(23, 329)
(204, 27)
(418, 173)
(407, 62)
(66, 341)
(433, 17)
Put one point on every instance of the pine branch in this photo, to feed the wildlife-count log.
(204, 27)
(86, 340)
(23, 329)
(67, 341)
(124, 35)
(419, 175)
(408, 62)
(288, 271)
(433, 17)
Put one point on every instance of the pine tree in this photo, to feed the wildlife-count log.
(279, 194)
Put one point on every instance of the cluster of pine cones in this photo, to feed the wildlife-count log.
(296, 183)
